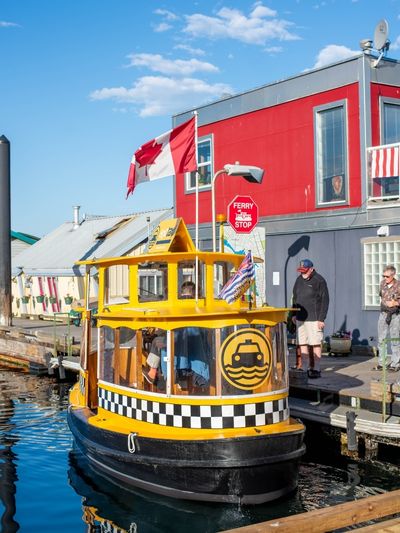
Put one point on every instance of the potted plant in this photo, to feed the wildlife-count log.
(25, 299)
(68, 299)
(52, 299)
(340, 342)
(40, 298)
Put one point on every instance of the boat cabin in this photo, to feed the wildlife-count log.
(162, 310)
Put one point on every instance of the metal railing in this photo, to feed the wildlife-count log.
(68, 341)
(383, 350)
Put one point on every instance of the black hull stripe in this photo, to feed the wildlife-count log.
(196, 496)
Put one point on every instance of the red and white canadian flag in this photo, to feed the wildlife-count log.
(169, 154)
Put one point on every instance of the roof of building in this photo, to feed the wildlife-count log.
(94, 237)
(25, 237)
(294, 87)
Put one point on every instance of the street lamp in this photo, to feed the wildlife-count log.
(249, 173)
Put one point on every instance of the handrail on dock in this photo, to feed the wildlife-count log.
(383, 345)
(333, 517)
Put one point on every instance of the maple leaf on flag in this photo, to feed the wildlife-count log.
(148, 153)
(171, 153)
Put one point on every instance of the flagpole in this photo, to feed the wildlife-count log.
(197, 214)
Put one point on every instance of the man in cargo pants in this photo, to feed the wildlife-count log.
(389, 317)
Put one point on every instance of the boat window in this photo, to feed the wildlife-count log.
(106, 352)
(222, 272)
(187, 279)
(194, 361)
(153, 277)
(154, 360)
(280, 376)
(116, 280)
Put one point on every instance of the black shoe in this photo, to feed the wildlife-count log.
(378, 367)
(149, 379)
(314, 374)
(394, 368)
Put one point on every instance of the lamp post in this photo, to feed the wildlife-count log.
(249, 173)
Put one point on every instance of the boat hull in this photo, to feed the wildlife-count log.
(248, 470)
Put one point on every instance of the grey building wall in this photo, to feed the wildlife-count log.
(337, 255)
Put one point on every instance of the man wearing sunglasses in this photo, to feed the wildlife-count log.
(389, 317)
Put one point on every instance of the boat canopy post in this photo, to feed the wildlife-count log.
(197, 215)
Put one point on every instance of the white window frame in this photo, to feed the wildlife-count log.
(188, 188)
(377, 252)
(382, 102)
(116, 284)
(318, 177)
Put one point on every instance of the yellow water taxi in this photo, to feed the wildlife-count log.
(184, 394)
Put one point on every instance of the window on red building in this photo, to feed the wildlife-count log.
(383, 160)
(331, 154)
(205, 165)
(391, 121)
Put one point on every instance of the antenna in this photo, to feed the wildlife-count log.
(381, 41)
(380, 34)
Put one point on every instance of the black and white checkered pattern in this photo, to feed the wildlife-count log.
(195, 416)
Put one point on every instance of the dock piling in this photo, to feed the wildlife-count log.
(5, 233)
(352, 444)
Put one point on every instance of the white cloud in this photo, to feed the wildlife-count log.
(190, 50)
(159, 95)
(260, 26)
(167, 14)
(395, 45)
(175, 67)
(333, 53)
(262, 11)
(273, 49)
(4, 24)
(163, 26)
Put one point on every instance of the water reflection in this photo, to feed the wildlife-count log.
(107, 503)
(47, 486)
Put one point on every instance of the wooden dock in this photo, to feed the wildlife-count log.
(359, 513)
(348, 384)
(40, 345)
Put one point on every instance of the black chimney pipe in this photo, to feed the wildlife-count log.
(5, 233)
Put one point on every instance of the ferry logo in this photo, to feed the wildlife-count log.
(245, 358)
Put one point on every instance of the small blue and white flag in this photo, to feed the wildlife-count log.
(240, 282)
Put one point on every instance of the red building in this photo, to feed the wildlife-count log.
(328, 140)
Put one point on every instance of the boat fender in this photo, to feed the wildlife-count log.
(131, 442)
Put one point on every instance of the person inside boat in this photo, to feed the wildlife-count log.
(158, 351)
(188, 290)
(192, 358)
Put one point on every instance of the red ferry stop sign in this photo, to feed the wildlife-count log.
(243, 214)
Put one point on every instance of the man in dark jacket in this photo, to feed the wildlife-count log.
(311, 297)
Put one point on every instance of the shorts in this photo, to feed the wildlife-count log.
(309, 333)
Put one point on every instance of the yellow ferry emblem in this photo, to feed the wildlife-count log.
(245, 358)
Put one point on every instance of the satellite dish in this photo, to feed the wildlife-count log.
(381, 34)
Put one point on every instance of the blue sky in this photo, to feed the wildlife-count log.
(85, 82)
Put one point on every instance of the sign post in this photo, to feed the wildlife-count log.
(243, 214)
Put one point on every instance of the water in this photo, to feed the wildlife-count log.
(46, 485)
